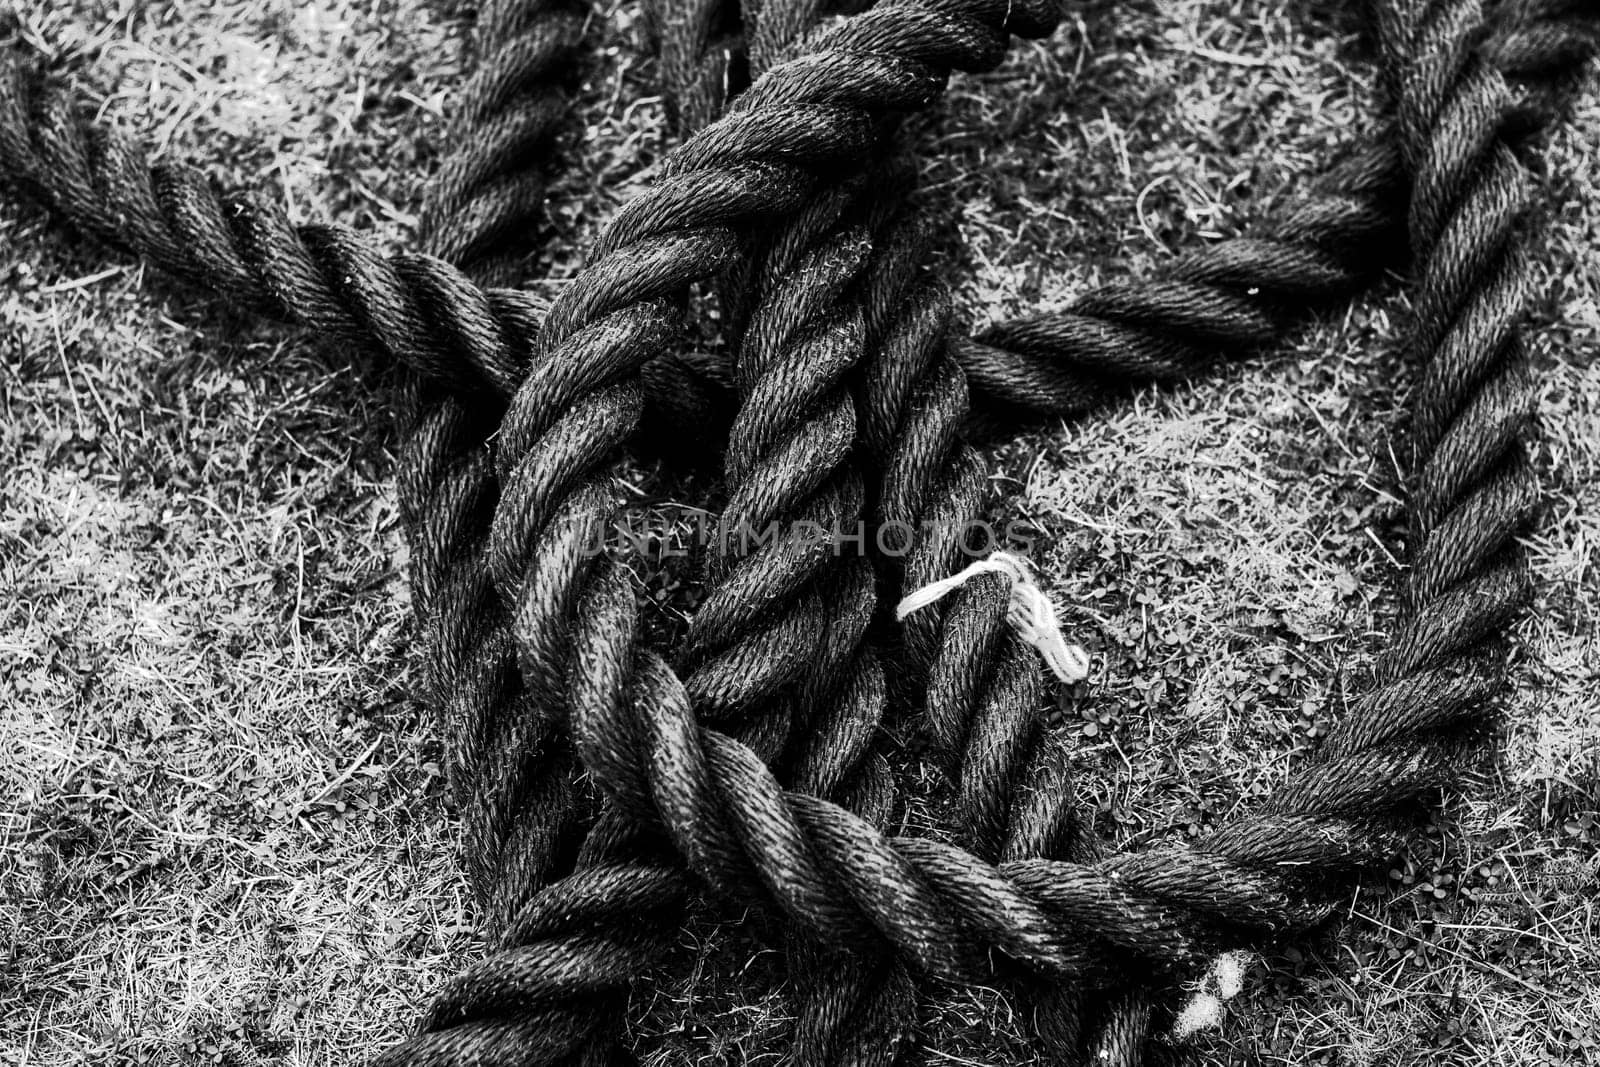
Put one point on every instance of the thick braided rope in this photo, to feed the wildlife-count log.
(1167, 907)
(913, 403)
(794, 353)
(988, 734)
(554, 487)
(857, 1007)
(789, 362)
(984, 688)
(577, 405)
(417, 309)
(489, 189)
(787, 454)
(789, 318)
(701, 58)
(995, 733)
(796, 429)
(540, 820)
(414, 308)
(478, 212)
(967, 658)
(1471, 485)
(421, 311)
(1247, 294)
(776, 27)
(925, 41)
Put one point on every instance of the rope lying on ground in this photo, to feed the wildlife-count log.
(476, 213)
(489, 189)
(982, 688)
(1001, 724)
(701, 56)
(1002, 729)
(945, 880)
(997, 728)
(791, 360)
(420, 310)
(417, 309)
(430, 317)
(550, 508)
(794, 358)
(832, 873)
(543, 820)
(460, 672)
(880, 293)
(1244, 295)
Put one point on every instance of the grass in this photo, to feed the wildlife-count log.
(223, 838)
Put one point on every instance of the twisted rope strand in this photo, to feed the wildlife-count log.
(788, 318)
(948, 910)
(431, 318)
(1249, 293)
(421, 311)
(1177, 309)
(930, 487)
(701, 56)
(612, 314)
(858, 1004)
(1338, 244)
(637, 724)
(475, 210)
(777, 27)
(489, 189)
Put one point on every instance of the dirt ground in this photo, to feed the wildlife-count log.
(223, 838)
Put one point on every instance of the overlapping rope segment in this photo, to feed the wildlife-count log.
(783, 465)
(635, 721)
(904, 382)
(798, 333)
(1250, 291)
(1322, 249)
(983, 46)
(945, 908)
(948, 910)
(539, 820)
(425, 314)
(479, 211)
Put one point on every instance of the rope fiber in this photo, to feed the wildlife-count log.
(604, 782)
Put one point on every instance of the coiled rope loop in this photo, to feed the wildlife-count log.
(701, 763)
(947, 910)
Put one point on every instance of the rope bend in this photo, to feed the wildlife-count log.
(1245, 295)
(642, 740)
(595, 335)
(1411, 733)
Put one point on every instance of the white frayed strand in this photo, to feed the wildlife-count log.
(1030, 613)
(1222, 982)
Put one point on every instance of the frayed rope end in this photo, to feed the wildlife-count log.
(1030, 612)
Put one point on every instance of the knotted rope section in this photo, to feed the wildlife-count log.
(946, 909)
(599, 780)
